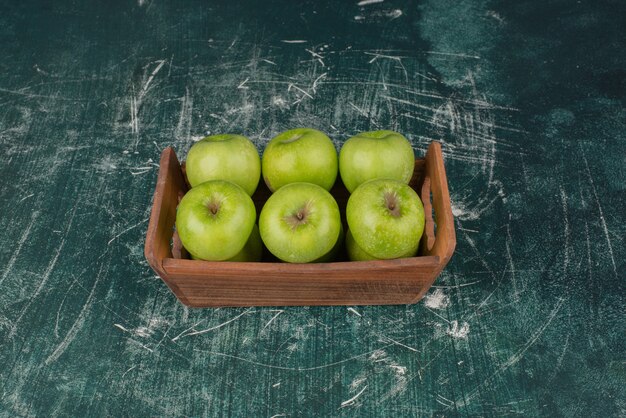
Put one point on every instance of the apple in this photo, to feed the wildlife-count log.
(333, 254)
(224, 157)
(300, 155)
(253, 250)
(300, 223)
(375, 155)
(356, 253)
(215, 219)
(386, 218)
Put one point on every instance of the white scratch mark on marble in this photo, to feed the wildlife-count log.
(126, 230)
(402, 345)
(20, 244)
(242, 85)
(602, 219)
(214, 327)
(354, 311)
(517, 356)
(367, 2)
(291, 85)
(46, 274)
(121, 327)
(272, 320)
(352, 400)
(77, 325)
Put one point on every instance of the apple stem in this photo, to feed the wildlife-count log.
(298, 217)
(392, 204)
(213, 207)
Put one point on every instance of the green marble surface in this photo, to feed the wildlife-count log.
(527, 99)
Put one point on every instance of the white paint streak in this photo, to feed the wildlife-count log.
(216, 326)
(46, 274)
(243, 84)
(291, 85)
(566, 232)
(183, 129)
(26, 197)
(402, 345)
(121, 327)
(354, 311)
(602, 220)
(126, 230)
(271, 320)
(352, 400)
(77, 325)
(18, 249)
(459, 332)
(146, 85)
(437, 300)
(366, 2)
(517, 356)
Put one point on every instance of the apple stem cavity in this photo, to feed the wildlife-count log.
(213, 207)
(298, 217)
(392, 204)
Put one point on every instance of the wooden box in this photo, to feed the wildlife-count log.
(272, 283)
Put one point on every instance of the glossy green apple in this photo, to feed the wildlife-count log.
(253, 250)
(386, 218)
(215, 219)
(224, 157)
(375, 155)
(300, 222)
(300, 156)
(333, 254)
(356, 253)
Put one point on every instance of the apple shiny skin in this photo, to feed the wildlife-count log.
(300, 155)
(374, 155)
(386, 218)
(214, 220)
(224, 157)
(300, 223)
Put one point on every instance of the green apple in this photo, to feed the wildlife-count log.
(253, 250)
(375, 155)
(333, 254)
(386, 218)
(215, 219)
(300, 223)
(224, 157)
(300, 156)
(356, 253)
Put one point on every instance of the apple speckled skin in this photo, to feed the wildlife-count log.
(374, 155)
(215, 219)
(300, 155)
(224, 157)
(386, 218)
(300, 223)
(356, 253)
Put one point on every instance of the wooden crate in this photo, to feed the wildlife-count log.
(271, 283)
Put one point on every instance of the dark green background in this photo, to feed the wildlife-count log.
(527, 98)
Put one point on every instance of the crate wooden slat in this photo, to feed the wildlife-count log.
(270, 283)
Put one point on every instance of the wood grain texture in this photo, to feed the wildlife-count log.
(271, 283)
